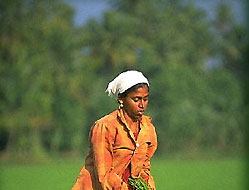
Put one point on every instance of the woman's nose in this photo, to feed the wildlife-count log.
(141, 104)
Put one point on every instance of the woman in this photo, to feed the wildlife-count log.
(121, 143)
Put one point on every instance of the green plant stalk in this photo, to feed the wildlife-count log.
(138, 184)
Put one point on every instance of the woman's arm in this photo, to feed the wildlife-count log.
(102, 145)
(145, 173)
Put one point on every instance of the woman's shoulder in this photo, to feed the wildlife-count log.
(147, 120)
(109, 118)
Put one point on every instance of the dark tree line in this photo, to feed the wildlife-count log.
(54, 74)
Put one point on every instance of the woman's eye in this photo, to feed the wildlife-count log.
(135, 99)
(146, 99)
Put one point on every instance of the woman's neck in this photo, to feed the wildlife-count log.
(131, 122)
(129, 119)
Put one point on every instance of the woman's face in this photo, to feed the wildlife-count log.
(135, 102)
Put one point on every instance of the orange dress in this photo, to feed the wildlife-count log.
(113, 147)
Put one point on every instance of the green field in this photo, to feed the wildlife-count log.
(168, 174)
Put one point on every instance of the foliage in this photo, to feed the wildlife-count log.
(54, 74)
(35, 66)
(138, 184)
(194, 111)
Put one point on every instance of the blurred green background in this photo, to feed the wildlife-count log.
(54, 73)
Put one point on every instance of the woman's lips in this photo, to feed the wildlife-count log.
(140, 112)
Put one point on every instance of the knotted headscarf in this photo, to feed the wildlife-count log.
(124, 81)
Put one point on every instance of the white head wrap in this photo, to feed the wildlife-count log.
(124, 81)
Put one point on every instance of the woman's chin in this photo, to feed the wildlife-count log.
(139, 116)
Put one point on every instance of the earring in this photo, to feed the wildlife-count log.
(121, 104)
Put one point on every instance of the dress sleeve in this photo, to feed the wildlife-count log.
(145, 173)
(102, 146)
